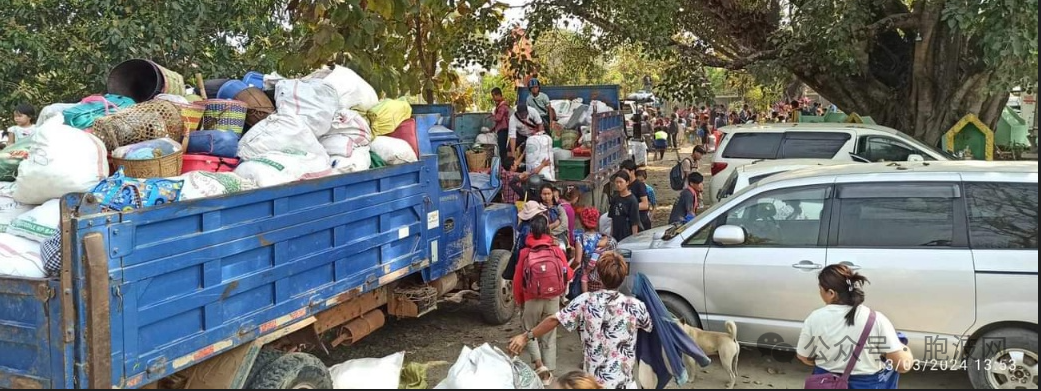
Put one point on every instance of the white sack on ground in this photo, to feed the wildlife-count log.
(393, 150)
(278, 132)
(352, 91)
(20, 257)
(487, 367)
(275, 168)
(62, 160)
(368, 373)
(313, 100)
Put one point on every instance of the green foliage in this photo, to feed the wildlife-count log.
(483, 100)
(1005, 31)
(61, 50)
(565, 57)
(400, 47)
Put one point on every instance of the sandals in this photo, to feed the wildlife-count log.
(545, 375)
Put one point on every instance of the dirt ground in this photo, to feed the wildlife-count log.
(437, 338)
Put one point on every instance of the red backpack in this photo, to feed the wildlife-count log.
(544, 276)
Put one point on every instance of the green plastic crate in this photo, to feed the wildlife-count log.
(575, 169)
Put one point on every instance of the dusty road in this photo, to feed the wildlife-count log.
(439, 336)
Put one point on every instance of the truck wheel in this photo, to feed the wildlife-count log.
(264, 358)
(1005, 358)
(293, 371)
(496, 292)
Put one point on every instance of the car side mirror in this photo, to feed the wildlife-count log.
(729, 235)
(915, 158)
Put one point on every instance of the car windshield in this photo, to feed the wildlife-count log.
(920, 145)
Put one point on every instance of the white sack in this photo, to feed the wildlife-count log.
(487, 138)
(38, 224)
(20, 257)
(368, 373)
(62, 160)
(275, 168)
(7, 189)
(202, 184)
(605, 224)
(313, 100)
(9, 210)
(339, 144)
(561, 154)
(53, 113)
(538, 149)
(393, 150)
(353, 91)
(358, 161)
(639, 151)
(278, 132)
(353, 124)
(488, 367)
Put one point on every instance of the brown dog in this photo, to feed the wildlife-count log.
(723, 345)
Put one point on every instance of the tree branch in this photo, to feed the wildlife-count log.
(903, 21)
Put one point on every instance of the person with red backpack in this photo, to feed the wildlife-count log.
(540, 279)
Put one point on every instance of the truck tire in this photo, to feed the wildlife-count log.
(1008, 361)
(496, 292)
(293, 371)
(680, 309)
(264, 358)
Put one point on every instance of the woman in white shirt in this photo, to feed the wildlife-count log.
(830, 334)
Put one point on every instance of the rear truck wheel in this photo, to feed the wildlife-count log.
(264, 358)
(1005, 358)
(293, 371)
(679, 309)
(496, 292)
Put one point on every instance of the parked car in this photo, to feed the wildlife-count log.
(758, 170)
(950, 249)
(743, 144)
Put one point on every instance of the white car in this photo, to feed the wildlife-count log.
(743, 144)
(758, 170)
(950, 249)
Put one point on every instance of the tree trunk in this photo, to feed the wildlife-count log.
(921, 84)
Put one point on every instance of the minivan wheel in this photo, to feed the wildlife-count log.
(681, 310)
(1004, 359)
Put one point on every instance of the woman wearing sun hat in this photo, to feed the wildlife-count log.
(524, 216)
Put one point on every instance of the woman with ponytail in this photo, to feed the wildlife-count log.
(830, 335)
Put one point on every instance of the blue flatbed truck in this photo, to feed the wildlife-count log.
(208, 293)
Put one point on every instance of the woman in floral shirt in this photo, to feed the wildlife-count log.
(607, 321)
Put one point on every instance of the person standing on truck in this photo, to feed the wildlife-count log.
(539, 101)
(501, 116)
(523, 123)
(625, 208)
(540, 279)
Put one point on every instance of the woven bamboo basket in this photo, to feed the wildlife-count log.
(160, 167)
(478, 161)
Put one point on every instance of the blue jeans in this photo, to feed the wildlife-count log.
(885, 380)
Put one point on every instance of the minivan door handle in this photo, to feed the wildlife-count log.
(808, 265)
(850, 265)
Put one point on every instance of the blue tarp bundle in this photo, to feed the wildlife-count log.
(667, 342)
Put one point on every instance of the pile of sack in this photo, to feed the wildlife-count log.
(174, 145)
(574, 120)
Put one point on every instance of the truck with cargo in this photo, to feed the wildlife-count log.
(211, 293)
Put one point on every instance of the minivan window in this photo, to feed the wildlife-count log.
(788, 217)
(812, 145)
(753, 146)
(889, 215)
(1002, 215)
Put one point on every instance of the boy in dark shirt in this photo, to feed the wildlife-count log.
(686, 205)
(639, 190)
(625, 209)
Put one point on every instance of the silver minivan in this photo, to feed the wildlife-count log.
(950, 249)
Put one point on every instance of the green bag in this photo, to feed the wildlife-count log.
(12, 156)
(83, 115)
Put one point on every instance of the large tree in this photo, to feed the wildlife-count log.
(401, 47)
(61, 50)
(915, 65)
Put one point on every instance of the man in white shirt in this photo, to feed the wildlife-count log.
(523, 123)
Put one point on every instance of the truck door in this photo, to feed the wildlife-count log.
(454, 225)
